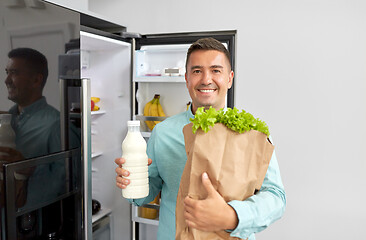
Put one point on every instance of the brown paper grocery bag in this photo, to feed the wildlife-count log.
(235, 163)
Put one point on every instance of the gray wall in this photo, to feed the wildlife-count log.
(301, 68)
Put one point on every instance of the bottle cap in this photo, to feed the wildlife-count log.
(134, 123)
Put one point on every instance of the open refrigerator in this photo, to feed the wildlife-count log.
(125, 72)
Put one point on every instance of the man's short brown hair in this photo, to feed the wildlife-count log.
(208, 44)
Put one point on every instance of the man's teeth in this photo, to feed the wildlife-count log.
(206, 90)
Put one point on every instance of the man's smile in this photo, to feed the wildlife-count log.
(206, 90)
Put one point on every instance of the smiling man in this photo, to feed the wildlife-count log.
(208, 78)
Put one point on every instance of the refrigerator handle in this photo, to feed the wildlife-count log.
(85, 106)
(64, 114)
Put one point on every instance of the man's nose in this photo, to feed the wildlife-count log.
(8, 79)
(206, 78)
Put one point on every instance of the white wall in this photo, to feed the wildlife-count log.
(301, 67)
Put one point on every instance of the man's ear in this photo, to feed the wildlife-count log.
(185, 77)
(38, 79)
(231, 78)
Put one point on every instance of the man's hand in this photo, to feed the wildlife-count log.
(210, 214)
(10, 155)
(122, 182)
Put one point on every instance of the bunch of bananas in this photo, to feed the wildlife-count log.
(154, 109)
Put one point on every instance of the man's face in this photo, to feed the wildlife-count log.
(20, 80)
(208, 78)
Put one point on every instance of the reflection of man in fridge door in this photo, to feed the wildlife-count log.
(208, 78)
(36, 125)
(33, 120)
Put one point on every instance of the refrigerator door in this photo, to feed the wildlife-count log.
(106, 61)
(43, 173)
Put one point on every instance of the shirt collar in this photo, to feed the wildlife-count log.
(189, 113)
(34, 107)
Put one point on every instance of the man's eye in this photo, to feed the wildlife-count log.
(12, 72)
(196, 71)
(216, 70)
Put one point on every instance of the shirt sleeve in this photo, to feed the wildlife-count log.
(260, 210)
(155, 181)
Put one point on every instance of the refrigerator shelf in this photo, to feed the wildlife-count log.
(146, 134)
(103, 212)
(162, 79)
(99, 112)
(149, 118)
(146, 220)
(138, 219)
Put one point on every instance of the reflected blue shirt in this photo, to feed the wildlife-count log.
(37, 129)
(38, 133)
(167, 151)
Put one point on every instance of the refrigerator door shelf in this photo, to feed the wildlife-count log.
(103, 212)
(96, 154)
(99, 112)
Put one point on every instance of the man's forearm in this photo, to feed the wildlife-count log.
(230, 219)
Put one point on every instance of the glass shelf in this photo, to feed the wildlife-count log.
(99, 112)
(138, 219)
(150, 118)
(163, 79)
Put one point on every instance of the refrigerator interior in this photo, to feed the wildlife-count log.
(158, 69)
(151, 73)
(106, 62)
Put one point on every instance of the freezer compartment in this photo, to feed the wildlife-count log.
(161, 63)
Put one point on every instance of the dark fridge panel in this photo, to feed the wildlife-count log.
(41, 187)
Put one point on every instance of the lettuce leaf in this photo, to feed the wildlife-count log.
(237, 121)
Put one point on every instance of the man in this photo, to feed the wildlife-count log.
(36, 124)
(208, 77)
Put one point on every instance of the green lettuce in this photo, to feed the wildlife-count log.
(237, 121)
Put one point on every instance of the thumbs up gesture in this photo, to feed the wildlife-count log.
(210, 214)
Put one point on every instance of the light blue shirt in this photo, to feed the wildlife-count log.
(38, 133)
(167, 151)
(37, 129)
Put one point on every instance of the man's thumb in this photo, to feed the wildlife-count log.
(207, 184)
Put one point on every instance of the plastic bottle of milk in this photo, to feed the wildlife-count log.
(134, 151)
(7, 135)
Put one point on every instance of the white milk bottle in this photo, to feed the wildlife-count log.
(7, 135)
(134, 152)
